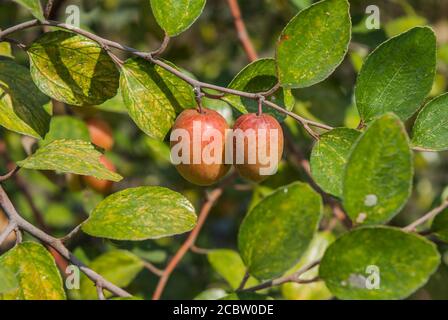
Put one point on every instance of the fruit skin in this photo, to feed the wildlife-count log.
(100, 133)
(256, 122)
(202, 174)
(11, 239)
(101, 186)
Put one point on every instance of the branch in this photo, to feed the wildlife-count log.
(212, 198)
(431, 214)
(243, 281)
(241, 30)
(152, 268)
(163, 46)
(13, 215)
(148, 56)
(9, 174)
(294, 277)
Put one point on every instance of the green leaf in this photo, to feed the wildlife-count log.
(141, 213)
(228, 264)
(259, 76)
(315, 290)
(69, 156)
(440, 226)
(211, 294)
(36, 272)
(277, 231)
(397, 76)
(329, 157)
(313, 44)
(8, 280)
(176, 16)
(404, 262)
(245, 296)
(5, 49)
(118, 266)
(152, 96)
(21, 103)
(402, 24)
(430, 129)
(34, 7)
(72, 69)
(66, 127)
(378, 175)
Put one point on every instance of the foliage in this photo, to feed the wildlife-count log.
(364, 218)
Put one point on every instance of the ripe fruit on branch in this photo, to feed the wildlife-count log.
(257, 146)
(198, 146)
(100, 133)
(101, 186)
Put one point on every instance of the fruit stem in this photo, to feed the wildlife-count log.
(198, 96)
(261, 99)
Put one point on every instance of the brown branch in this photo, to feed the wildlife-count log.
(9, 174)
(152, 268)
(306, 123)
(241, 30)
(163, 46)
(13, 215)
(428, 216)
(205, 210)
(294, 277)
(243, 281)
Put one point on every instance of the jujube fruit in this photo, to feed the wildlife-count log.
(10, 240)
(210, 125)
(99, 185)
(100, 133)
(266, 134)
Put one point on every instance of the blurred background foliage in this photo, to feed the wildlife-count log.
(211, 51)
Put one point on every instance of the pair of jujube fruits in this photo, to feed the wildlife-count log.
(204, 174)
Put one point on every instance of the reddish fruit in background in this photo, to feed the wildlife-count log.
(210, 121)
(101, 186)
(100, 133)
(11, 239)
(246, 123)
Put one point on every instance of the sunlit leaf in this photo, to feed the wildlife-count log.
(378, 263)
(141, 213)
(69, 156)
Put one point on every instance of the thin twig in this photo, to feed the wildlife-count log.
(294, 277)
(210, 201)
(152, 268)
(9, 174)
(243, 281)
(99, 291)
(198, 250)
(166, 40)
(306, 123)
(428, 216)
(71, 234)
(241, 30)
(13, 215)
(15, 42)
(205, 210)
